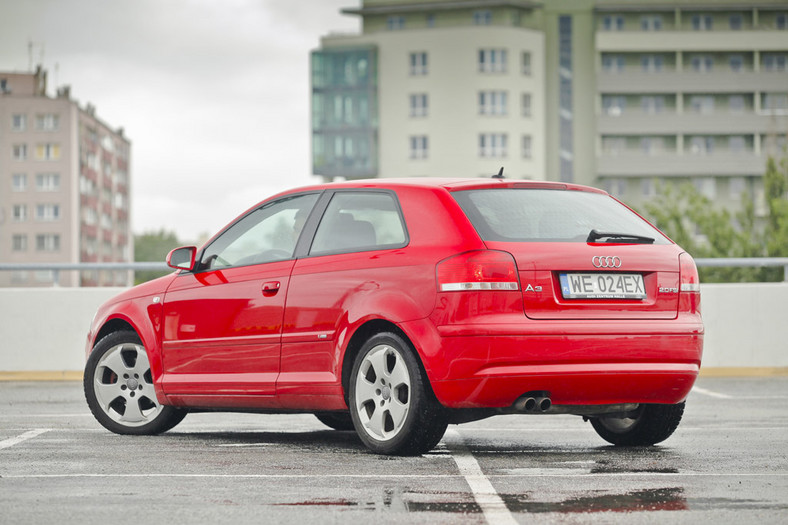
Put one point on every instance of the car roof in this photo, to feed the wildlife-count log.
(449, 184)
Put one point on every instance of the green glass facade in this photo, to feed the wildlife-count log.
(345, 112)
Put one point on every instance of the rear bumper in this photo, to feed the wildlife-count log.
(488, 370)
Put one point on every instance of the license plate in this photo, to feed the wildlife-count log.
(602, 286)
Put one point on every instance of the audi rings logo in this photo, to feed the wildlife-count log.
(606, 261)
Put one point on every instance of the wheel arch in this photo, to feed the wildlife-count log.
(361, 336)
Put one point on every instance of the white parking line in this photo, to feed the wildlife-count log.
(489, 501)
(709, 393)
(10, 442)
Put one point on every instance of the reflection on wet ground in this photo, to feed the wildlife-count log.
(647, 500)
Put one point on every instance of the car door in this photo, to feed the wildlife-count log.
(222, 327)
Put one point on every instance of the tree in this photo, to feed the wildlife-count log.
(153, 247)
(706, 231)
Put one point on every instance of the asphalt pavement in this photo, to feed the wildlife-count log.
(727, 462)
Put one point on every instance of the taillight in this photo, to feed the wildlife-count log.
(689, 284)
(478, 270)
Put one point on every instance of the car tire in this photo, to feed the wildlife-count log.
(119, 388)
(650, 425)
(392, 406)
(336, 420)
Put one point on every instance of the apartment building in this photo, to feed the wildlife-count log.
(621, 94)
(64, 186)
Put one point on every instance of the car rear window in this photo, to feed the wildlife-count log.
(545, 215)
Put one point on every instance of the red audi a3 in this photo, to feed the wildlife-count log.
(397, 307)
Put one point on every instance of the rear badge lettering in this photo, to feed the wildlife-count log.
(668, 289)
(531, 288)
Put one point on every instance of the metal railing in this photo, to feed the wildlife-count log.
(747, 262)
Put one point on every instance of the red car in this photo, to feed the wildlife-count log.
(396, 307)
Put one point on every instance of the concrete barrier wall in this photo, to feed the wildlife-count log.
(44, 330)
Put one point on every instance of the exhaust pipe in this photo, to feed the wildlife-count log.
(534, 404)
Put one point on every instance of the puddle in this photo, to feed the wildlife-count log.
(637, 501)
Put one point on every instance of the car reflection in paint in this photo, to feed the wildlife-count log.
(397, 307)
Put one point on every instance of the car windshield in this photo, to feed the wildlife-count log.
(545, 215)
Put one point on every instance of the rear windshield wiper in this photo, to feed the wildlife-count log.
(619, 237)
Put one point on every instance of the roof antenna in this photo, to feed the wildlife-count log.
(500, 174)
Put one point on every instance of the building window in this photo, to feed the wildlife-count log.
(482, 17)
(612, 63)
(775, 103)
(736, 63)
(19, 151)
(652, 104)
(418, 105)
(701, 22)
(736, 144)
(775, 61)
(48, 242)
(492, 102)
(47, 182)
(612, 23)
(702, 63)
(419, 147)
(614, 145)
(19, 122)
(394, 23)
(20, 213)
(47, 212)
(18, 182)
(647, 188)
(702, 145)
(492, 60)
(781, 21)
(47, 122)
(652, 145)
(651, 23)
(736, 21)
(430, 20)
(492, 145)
(736, 187)
(19, 242)
(706, 186)
(702, 104)
(526, 145)
(736, 103)
(526, 104)
(525, 63)
(48, 151)
(613, 105)
(418, 64)
(651, 63)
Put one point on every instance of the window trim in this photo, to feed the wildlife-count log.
(318, 212)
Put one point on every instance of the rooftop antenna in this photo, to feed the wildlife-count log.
(499, 175)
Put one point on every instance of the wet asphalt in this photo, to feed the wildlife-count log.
(727, 462)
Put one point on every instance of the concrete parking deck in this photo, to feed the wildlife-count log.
(727, 462)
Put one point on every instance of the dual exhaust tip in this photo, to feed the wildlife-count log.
(533, 403)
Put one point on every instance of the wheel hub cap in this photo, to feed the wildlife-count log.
(132, 384)
(386, 393)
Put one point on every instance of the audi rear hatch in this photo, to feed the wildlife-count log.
(580, 253)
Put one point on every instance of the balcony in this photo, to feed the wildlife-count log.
(670, 123)
(672, 81)
(671, 164)
(661, 41)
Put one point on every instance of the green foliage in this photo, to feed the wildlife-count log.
(153, 247)
(706, 231)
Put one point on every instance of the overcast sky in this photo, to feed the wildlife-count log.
(213, 94)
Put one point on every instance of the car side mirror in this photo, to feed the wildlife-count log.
(182, 258)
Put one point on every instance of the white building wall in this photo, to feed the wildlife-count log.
(453, 82)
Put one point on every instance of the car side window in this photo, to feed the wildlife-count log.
(267, 234)
(360, 221)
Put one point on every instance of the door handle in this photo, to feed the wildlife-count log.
(270, 288)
